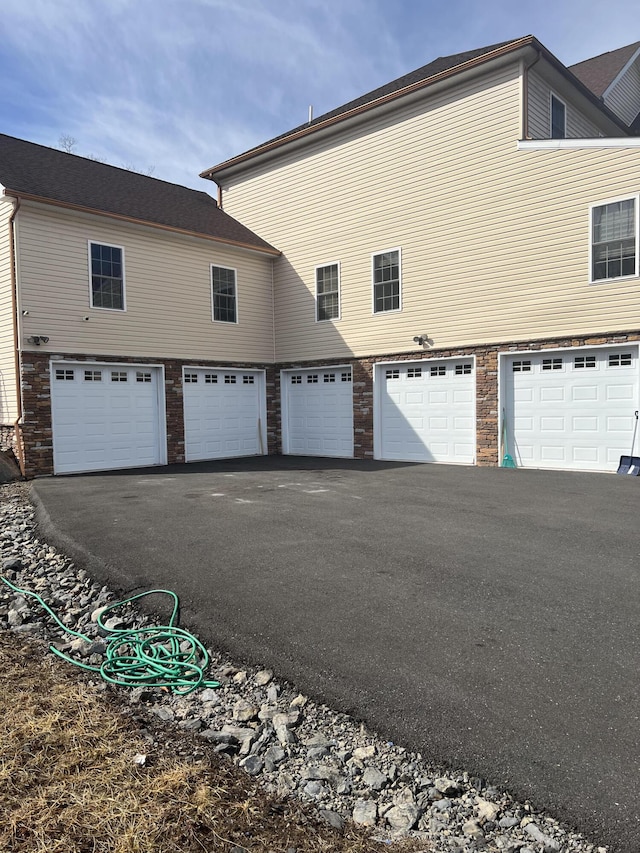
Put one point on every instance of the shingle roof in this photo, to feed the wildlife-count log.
(597, 73)
(437, 66)
(46, 173)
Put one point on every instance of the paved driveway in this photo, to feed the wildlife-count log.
(485, 617)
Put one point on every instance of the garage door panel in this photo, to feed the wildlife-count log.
(425, 412)
(580, 417)
(222, 413)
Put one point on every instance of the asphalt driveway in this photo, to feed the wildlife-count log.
(487, 618)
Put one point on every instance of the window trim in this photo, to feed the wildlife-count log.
(315, 278)
(635, 197)
(91, 243)
(397, 310)
(553, 97)
(234, 270)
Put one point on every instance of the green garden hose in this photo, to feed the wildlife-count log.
(163, 656)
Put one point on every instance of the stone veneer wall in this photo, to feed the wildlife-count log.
(36, 396)
(37, 433)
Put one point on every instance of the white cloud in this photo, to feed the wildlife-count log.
(183, 84)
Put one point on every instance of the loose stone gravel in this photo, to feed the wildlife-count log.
(293, 745)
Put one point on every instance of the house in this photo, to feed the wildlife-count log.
(141, 314)
(446, 261)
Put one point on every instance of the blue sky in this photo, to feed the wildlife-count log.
(180, 85)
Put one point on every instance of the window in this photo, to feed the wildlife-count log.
(312, 379)
(93, 376)
(211, 379)
(582, 361)
(392, 373)
(620, 360)
(552, 364)
(522, 366)
(107, 276)
(191, 377)
(64, 375)
(438, 370)
(463, 369)
(329, 377)
(223, 295)
(118, 376)
(296, 380)
(248, 380)
(414, 372)
(614, 240)
(558, 118)
(143, 376)
(386, 281)
(328, 292)
(345, 377)
(230, 379)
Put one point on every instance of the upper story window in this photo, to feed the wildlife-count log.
(386, 281)
(614, 239)
(328, 292)
(107, 276)
(558, 118)
(223, 295)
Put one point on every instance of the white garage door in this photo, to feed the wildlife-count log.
(224, 413)
(317, 412)
(105, 416)
(571, 409)
(426, 411)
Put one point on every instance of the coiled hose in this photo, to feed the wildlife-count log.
(156, 656)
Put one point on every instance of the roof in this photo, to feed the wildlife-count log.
(413, 78)
(442, 63)
(46, 174)
(600, 71)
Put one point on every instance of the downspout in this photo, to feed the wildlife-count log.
(17, 426)
(525, 95)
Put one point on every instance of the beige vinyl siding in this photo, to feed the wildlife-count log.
(494, 241)
(624, 97)
(8, 397)
(167, 285)
(578, 126)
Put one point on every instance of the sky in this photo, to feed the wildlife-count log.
(172, 87)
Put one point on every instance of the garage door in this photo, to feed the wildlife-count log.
(224, 413)
(318, 412)
(426, 411)
(571, 409)
(105, 416)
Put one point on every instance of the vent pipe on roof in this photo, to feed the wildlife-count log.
(310, 113)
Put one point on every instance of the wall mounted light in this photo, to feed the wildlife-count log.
(421, 340)
(38, 339)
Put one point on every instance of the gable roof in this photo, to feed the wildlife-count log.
(46, 174)
(442, 63)
(442, 68)
(600, 71)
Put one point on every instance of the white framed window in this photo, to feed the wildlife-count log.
(386, 277)
(614, 239)
(106, 276)
(328, 292)
(224, 300)
(558, 118)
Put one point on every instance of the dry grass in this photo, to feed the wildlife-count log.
(69, 782)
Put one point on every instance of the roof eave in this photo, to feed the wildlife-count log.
(303, 133)
(263, 250)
